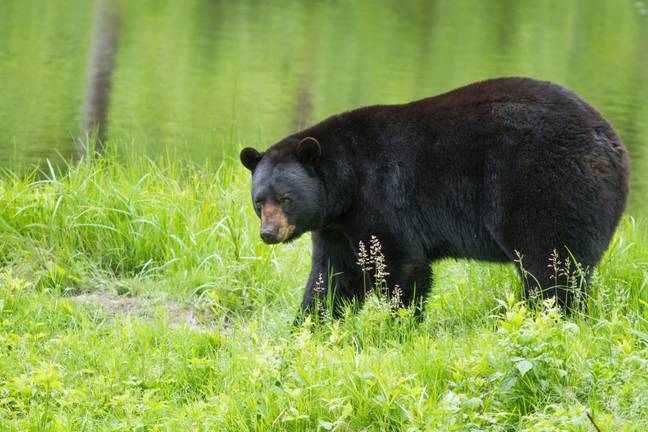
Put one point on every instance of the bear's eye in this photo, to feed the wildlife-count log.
(284, 199)
(258, 202)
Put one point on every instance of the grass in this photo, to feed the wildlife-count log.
(161, 239)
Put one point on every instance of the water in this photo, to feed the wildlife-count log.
(205, 77)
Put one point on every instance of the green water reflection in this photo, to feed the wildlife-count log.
(204, 77)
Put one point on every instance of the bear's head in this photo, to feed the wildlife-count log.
(287, 192)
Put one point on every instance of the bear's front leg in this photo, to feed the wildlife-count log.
(413, 280)
(335, 278)
(399, 271)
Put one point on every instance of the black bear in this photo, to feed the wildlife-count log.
(504, 170)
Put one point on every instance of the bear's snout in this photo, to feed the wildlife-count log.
(274, 225)
(269, 235)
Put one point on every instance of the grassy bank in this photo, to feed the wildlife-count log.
(137, 296)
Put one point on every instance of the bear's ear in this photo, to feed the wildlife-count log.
(309, 150)
(250, 158)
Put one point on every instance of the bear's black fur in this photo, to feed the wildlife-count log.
(494, 171)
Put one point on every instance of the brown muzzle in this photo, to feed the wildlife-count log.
(274, 225)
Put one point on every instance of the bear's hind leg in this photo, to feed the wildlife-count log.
(553, 262)
(555, 273)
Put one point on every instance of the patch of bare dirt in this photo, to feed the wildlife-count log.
(179, 315)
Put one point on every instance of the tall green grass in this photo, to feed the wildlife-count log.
(102, 220)
(169, 231)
